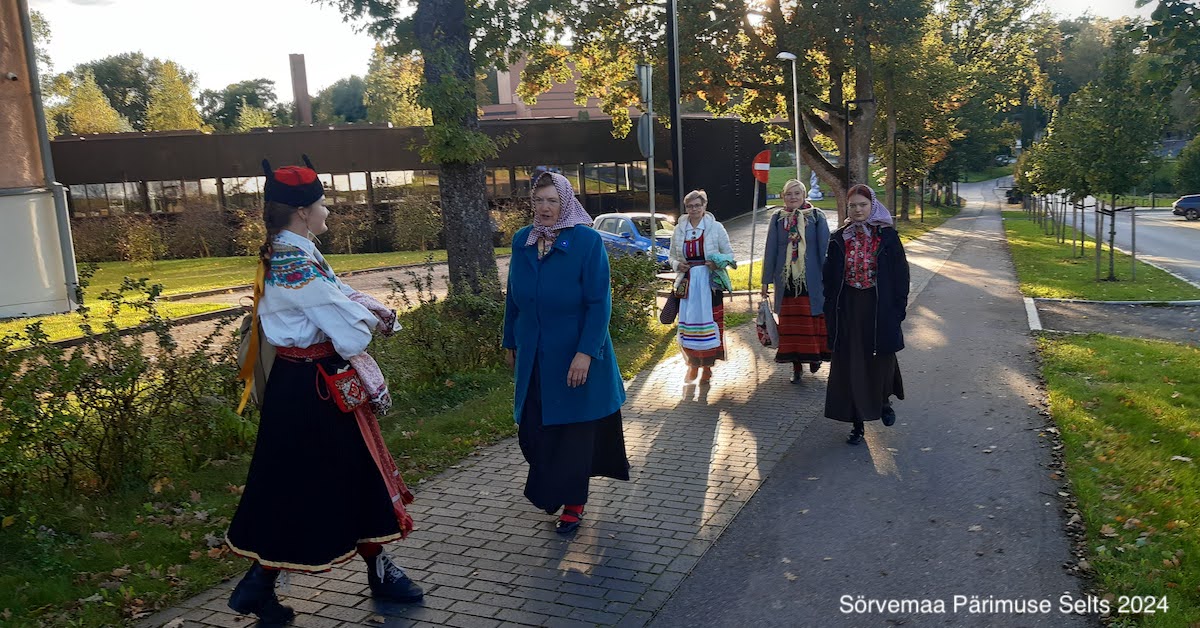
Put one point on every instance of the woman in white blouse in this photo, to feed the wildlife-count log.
(322, 487)
(700, 252)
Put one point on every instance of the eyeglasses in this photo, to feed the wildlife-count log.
(694, 206)
(546, 201)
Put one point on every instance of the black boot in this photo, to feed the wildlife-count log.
(889, 414)
(255, 595)
(388, 582)
(856, 434)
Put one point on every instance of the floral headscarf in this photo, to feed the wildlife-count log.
(571, 214)
(880, 217)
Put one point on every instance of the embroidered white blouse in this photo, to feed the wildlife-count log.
(304, 303)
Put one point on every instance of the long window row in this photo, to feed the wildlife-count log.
(603, 187)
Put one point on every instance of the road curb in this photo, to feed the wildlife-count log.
(1190, 303)
(1035, 321)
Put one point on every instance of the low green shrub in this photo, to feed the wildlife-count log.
(115, 409)
(416, 223)
(632, 278)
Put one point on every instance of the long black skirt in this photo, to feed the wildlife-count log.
(562, 458)
(313, 491)
(859, 383)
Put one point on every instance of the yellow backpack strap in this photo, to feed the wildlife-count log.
(246, 374)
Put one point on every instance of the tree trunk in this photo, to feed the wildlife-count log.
(444, 40)
(891, 137)
(904, 202)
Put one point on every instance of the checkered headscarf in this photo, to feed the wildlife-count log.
(572, 212)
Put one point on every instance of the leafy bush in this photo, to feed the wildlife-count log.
(250, 232)
(515, 213)
(416, 223)
(140, 239)
(633, 281)
(351, 230)
(93, 239)
(200, 230)
(115, 409)
(441, 337)
(1187, 177)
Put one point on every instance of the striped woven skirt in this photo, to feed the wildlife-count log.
(709, 357)
(802, 336)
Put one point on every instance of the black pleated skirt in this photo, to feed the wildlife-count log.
(859, 383)
(562, 458)
(313, 491)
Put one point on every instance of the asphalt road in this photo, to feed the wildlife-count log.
(956, 499)
(1162, 238)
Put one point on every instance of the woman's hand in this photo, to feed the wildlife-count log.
(711, 265)
(766, 291)
(510, 358)
(577, 374)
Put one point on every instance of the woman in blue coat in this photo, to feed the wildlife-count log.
(569, 390)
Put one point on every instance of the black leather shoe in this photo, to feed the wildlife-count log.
(856, 435)
(255, 595)
(813, 367)
(388, 582)
(889, 416)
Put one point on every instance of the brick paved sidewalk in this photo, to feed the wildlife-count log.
(486, 557)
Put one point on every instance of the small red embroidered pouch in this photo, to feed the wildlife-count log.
(345, 388)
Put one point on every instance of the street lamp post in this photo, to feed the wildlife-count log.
(787, 56)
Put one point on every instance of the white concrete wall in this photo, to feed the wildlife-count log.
(33, 280)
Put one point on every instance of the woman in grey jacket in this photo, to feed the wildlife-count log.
(793, 261)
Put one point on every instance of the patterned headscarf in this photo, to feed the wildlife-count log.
(880, 217)
(794, 224)
(571, 211)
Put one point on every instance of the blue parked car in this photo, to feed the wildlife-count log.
(629, 233)
(1187, 206)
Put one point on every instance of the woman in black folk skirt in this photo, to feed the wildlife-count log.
(569, 390)
(322, 485)
(303, 509)
(866, 294)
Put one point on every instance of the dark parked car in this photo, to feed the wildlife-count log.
(630, 233)
(1187, 206)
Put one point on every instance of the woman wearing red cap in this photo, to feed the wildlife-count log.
(322, 487)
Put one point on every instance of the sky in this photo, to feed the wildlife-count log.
(227, 41)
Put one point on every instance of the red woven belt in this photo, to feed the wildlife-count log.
(314, 352)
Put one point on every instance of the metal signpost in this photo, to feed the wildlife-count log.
(645, 138)
(761, 169)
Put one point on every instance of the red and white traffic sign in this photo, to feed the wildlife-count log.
(762, 166)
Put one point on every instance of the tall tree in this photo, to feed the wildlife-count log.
(392, 87)
(171, 107)
(126, 80)
(1121, 128)
(84, 109)
(221, 108)
(41, 39)
(728, 58)
(1174, 32)
(341, 103)
(453, 39)
(250, 117)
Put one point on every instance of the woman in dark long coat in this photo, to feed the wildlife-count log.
(866, 289)
(569, 390)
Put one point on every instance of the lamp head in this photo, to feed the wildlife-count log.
(785, 56)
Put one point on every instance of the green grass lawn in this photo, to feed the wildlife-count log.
(994, 172)
(179, 276)
(1129, 414)
(64, 326)
(1047, 269)
(101, 560)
